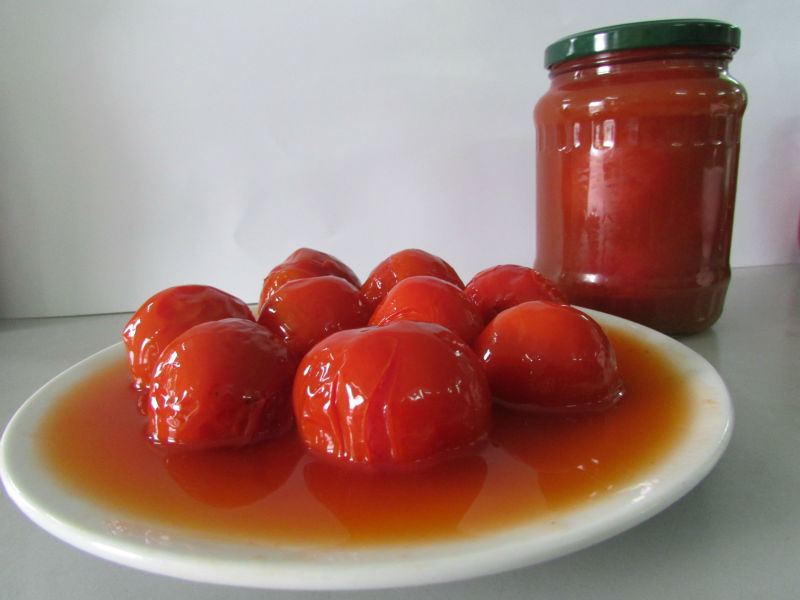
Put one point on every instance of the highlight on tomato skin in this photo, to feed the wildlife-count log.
(224, 383)
(166, 315)
(503, 286)
(403, 264)
(430, 300)
(303, 263)
(391, 395)
(549, 357)
(304, 311)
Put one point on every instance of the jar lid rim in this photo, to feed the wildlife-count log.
(643, 34)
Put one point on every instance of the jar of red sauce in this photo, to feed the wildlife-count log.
(637, 154)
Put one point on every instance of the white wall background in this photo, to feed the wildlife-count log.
(146, 143)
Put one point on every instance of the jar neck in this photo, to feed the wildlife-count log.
(701, 58)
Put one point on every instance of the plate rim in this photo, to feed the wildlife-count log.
(372, 567)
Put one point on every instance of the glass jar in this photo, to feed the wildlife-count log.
(637, 154)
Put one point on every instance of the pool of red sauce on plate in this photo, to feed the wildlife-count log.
(532, 468)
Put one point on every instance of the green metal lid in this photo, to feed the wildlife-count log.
(645, 34)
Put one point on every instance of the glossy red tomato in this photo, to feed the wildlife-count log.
(302, 263)
(403, 264)
(304, 311)
(430, 300)
(166, 315)
(391, 395)
(221, 383)
(501, 287)
(549, 357)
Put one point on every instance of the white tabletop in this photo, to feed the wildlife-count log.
(737, 535)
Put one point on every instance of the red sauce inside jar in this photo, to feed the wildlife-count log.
(637, 154)
(533, 466)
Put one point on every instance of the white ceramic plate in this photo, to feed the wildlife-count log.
(130, 541)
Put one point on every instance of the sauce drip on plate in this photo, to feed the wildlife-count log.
(531, 468)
